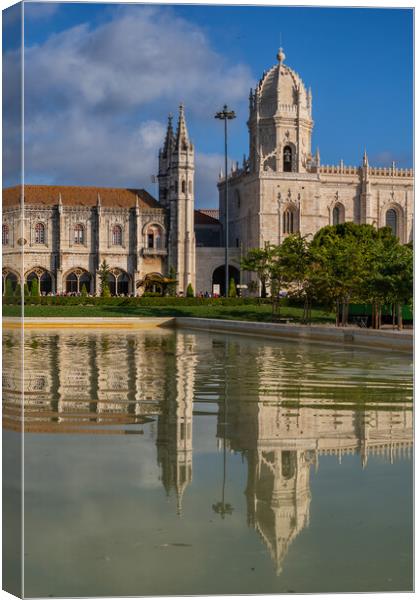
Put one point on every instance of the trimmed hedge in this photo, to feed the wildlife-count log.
(149, 301)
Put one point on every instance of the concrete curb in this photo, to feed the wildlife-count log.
(89, 322)
(401, 341)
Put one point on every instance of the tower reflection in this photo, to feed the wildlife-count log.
(281, 408)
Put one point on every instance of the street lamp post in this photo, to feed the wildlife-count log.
(225, 115)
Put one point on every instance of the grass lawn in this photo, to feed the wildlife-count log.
(240, 313)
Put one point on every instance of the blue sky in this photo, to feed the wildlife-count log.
(101, 79)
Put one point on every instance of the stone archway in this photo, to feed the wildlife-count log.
(218, 277)
(44, 277)
(75, 279)
(119, 282)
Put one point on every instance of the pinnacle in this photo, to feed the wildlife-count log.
(182, 139)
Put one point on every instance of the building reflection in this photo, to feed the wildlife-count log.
(77, 383)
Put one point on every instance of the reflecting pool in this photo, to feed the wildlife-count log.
(161, 462)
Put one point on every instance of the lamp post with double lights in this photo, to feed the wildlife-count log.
(226, 115)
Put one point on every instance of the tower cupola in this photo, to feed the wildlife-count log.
(280, 120)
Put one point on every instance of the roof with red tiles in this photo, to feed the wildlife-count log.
(49, 195)
(205, 216)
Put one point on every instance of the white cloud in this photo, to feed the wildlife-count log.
(96, 99)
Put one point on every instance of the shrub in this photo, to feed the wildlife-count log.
(18, 291)
(232, 288)
(84, 291)
(26, 291)
(190, 291)
(35, 288)
(9, 289)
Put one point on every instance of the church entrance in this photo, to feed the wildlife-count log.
(219, 277)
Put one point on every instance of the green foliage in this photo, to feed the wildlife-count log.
(35, 288)
(84, 292)
(243, 309)
(190, 291)
(104, 272)
(344, 263)
(260, 261)
(26, 291)
(8, 292)
(171, 287)
(18, 291)
(232, 288)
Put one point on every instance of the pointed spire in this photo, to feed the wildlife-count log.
(60, 201)
(365, 159)
(318, 158)
(169, 139)
(98, 200)
(182, 141)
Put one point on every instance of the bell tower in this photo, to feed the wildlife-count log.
(176, 193)
(280, 121)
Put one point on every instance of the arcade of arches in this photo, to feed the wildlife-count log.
(73, 282)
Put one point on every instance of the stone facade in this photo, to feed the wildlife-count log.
(67, 232)
(281, 188)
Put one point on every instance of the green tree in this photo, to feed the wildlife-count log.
(390, 279)
(18, 291)
(295, 266)
(232, 288)
(84, 291)
(261, 262)
(190, 291)
(26, 291)
(342, 255)
(104, 272)
(35, 288)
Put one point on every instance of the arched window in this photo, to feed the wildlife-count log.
(183, 188)
(40, 233)
(288, 218)
(154, 238)
(116, 235)
(288, 464)
(79, 232)
(338, 214)
(287, 159)
(391, 220)
(5, 235)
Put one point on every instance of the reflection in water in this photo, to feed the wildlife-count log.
(280, 406)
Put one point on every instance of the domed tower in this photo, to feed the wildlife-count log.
(280, 121)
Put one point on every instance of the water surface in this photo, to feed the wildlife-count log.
(169, 462)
